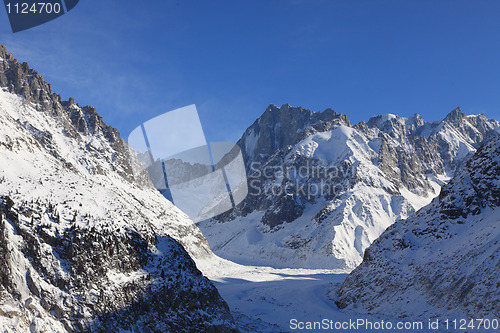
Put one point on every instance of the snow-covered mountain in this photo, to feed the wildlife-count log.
(445, 261)
(321, 190)
(84, 243)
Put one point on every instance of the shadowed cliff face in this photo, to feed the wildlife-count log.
(86, 244)
(446, 257)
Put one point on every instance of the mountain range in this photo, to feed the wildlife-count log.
(321, 189)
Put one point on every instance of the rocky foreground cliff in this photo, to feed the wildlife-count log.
(86, 244)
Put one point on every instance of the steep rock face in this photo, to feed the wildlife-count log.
(86, 243)
(445, 260)
(322, 190)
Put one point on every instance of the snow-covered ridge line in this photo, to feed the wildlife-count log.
(51, 155)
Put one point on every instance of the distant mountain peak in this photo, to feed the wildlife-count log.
(455, 116)
(283, 126)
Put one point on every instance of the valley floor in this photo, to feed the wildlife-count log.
(266, 299)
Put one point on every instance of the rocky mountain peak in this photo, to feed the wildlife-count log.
(22, 80)
(283, 126)
(456, 116)
(475, 128)
(7, 56)
(80, 123)
(418, 120)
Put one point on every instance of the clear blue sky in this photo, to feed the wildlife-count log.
(133, 60)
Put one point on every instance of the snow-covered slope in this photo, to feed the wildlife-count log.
(445, 261)
(84, 243)
(322, 190)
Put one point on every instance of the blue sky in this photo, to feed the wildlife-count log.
(134, 60)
